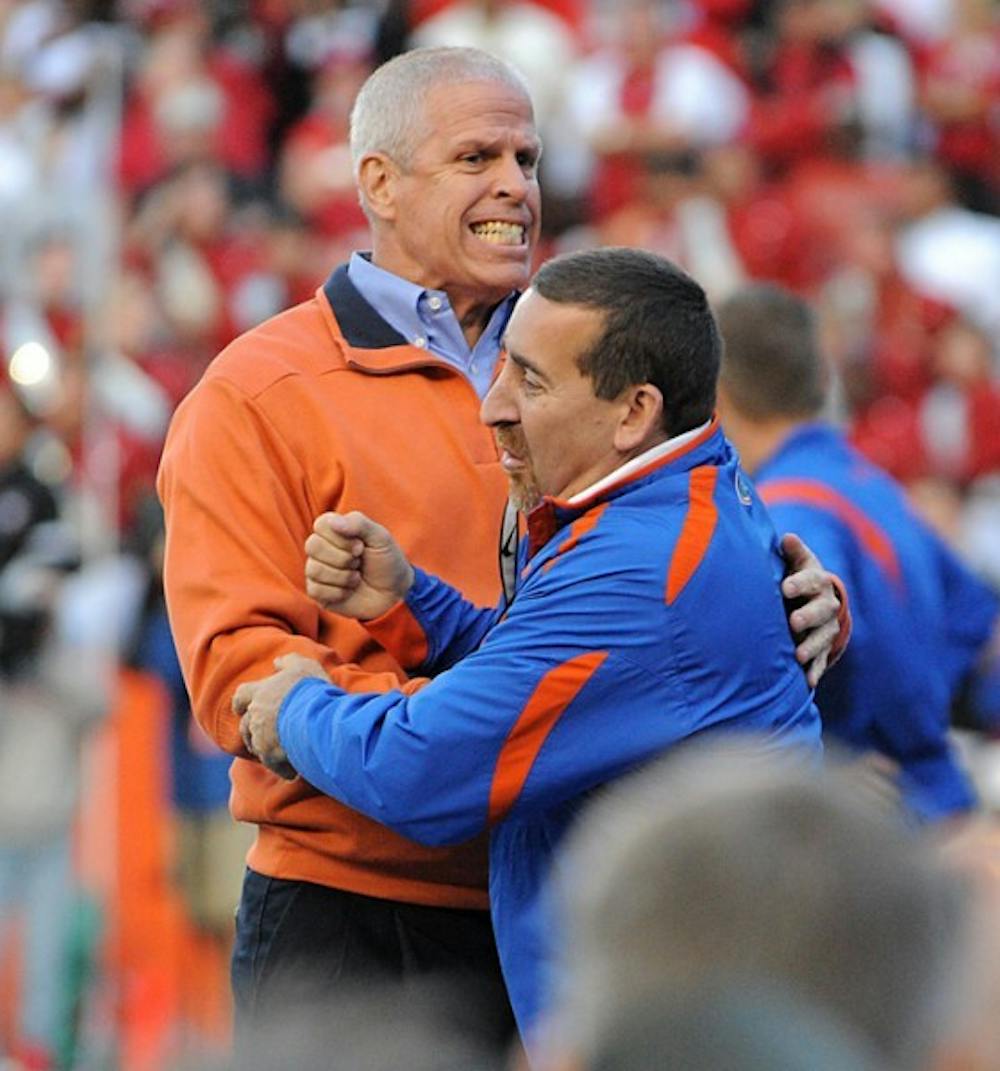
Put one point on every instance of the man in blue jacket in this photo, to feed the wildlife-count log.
(647, 608)
(920, 616)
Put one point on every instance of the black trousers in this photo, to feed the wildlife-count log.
(309, 950)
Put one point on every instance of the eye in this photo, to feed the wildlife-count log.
(528, 162)
(474, 159)
(530, 386)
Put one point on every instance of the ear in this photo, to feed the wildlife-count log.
(641, 420)
(377, 175)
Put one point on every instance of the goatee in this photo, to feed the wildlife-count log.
(522, 487)
(523, 492)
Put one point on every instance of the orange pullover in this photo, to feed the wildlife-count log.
(323, 407)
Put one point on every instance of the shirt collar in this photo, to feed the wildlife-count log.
(396, 299)
(425, 319)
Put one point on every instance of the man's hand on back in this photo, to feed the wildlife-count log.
(815, 620)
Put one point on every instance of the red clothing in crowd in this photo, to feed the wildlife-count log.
(960, 81)
(239, 142)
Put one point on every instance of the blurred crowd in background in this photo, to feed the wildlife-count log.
(173, 172)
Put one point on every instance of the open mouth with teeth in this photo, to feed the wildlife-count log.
(497, 232)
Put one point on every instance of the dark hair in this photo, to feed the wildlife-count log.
(771, 364)
(658, 328)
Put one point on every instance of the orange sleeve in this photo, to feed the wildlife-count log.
(238, 508)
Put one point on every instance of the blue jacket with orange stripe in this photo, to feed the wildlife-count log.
(919, 615)
(643, 616)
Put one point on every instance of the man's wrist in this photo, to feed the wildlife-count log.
(396, 595)
(408, 582)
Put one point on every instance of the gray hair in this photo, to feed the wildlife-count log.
(388, 115)
(743, 865)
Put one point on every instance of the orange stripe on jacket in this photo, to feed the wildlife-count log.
(577, 530)
(555, 691)
(871, 536)
(696, 534)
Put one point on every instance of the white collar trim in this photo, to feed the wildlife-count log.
(654, 453)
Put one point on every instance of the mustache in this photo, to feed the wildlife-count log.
(512, 438)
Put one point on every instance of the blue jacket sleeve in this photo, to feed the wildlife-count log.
(452, 626)
(469, 747)
(888, 691)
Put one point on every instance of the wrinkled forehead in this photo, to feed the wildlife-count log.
(551, 335)
(493, 107)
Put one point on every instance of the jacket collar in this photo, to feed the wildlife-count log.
(552, 513)
(372, 344)
(360, 324)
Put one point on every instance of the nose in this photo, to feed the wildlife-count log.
(513, 180)
(498, 406)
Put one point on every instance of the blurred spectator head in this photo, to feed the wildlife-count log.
(974, 851)
(16, 423)
(295, 255)
(870, 247)
(55, 267)
(974, 15)
(13, 91)
(732, 171)
(821, 22)
(939, 501)
(337, 80)
(726, 1027)
(667, 177)
(772, 366)
(962, 354)
(321, 31)
(843, 17)
(802, 21)
(67, 414)
(132, 316)
(642, 27)
(173, 54)
(188, 117)
(433, 1026)
(924, 188)
(201, 198)
(740, 866)
(184, 18)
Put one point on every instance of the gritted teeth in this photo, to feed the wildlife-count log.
(499, 232)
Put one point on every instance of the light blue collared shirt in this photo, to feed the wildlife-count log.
(425, 319)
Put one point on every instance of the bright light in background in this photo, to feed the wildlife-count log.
(30, 365)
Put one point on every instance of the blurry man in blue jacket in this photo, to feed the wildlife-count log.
(920, 617)
(647, 608)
